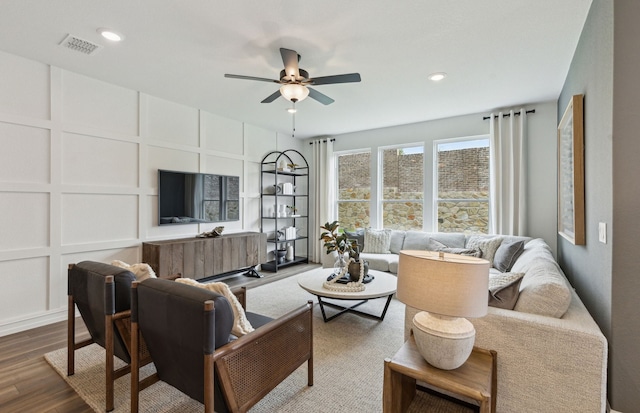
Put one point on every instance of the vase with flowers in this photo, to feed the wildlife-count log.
(335, 240)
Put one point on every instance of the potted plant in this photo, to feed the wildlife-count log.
(335, 240)
(293, 210)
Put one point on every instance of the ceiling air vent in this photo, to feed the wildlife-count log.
(80, 45)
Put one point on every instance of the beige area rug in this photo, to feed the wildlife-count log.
(348, 364)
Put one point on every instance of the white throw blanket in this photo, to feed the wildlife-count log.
(241, 324)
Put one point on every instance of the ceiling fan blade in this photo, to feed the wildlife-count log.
(260, 79)
(327, 80)
(290, 58)
(320, 97)
(272, 97)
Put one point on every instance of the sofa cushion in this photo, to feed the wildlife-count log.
(381, 262)
(415, 240)
(544, 289)
(377, 241)
(507, 254)
(440, 247)
(504, 289)
(487, 246)
(397, 239)
(358, 235)
(450, 239)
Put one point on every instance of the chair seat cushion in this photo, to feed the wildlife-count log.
(258, 320)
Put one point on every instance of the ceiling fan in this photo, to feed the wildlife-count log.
(295, 81)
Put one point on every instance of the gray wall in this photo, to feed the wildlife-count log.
(605, 276)
(625, 325)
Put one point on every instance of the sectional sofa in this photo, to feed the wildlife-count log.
(552, 356)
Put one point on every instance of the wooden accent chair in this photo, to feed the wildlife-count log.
(188, 333)
(102, 293)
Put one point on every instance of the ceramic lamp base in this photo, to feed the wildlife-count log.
(444, 342)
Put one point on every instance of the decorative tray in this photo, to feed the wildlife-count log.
(345, 279)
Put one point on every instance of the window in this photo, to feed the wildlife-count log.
(462, 185)
(354, 189)
(402, 187)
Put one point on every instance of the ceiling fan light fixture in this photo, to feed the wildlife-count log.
(438, 76)
(294, 92)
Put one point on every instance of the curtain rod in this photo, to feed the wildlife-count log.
(506, 115)
(324, 140)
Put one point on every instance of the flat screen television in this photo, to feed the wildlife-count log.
(191, 198)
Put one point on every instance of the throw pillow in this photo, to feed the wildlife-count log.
(141, 271)
(504, 289)
(241, 324)
(486, 245)
(357, 235)
(507, 254)
(434, 245)
(377, 241)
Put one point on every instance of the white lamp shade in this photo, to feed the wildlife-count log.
(293, 91)
(442, 283)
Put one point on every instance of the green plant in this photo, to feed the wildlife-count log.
(337, 240)
(293, 208)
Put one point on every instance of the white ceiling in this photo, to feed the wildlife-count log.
(497, 53)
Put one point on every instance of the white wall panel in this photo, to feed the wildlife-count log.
(100, 105)
(253, 179)
(222, 134)
(24, 221)
(88, 218)
(24, 87)
(24, 287)
(170, 159)
(88, 160)
(259, 142)
(224, 166)
(128, 255)
(25, 154)
(172, 122)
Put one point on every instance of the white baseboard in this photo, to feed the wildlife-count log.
(39, 320)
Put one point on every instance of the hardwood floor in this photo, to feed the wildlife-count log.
(29, 384)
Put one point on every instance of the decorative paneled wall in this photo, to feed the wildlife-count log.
(78, 177)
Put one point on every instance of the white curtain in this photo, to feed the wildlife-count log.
(322, 183)
(508, 173)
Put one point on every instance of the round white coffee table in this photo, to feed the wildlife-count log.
(383, 285)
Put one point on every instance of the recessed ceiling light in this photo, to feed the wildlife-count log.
(436, 77)
(110, 34)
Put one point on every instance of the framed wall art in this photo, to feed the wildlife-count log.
(571, 221)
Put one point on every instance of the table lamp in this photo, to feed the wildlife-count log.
(446, 287)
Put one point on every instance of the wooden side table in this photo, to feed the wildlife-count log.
(475, 379)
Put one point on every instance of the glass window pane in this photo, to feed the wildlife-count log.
(471, 217)
(212, 187)
(353, 215)
(212, 210)
(463, 186)
(233, 187)
(354, 187)
(402, 215)
(354, 176)
(403, 173)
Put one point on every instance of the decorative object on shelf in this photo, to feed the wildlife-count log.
(282, 166)
(280, 255)
(216, 232)
(292, 210)
(340, 242)
(292, 166)
(446, 287)
(282, 211)
(290, 253)
(290, 233)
